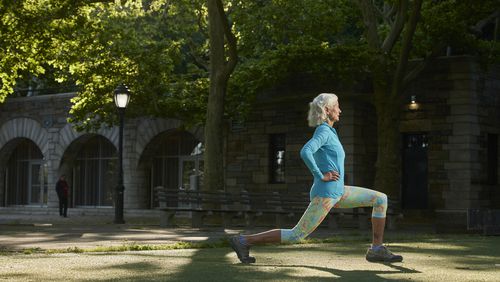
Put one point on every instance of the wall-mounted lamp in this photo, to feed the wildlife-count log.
(413, 106)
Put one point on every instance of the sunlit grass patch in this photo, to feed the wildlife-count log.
(405, 240)
(29, 251)
(142, 247)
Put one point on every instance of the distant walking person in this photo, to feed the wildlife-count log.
(62, 190)
(324, 155)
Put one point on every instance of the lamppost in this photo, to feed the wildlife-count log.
(122, 97)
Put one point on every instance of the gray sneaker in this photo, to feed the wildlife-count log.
(241, 250)
(382, 255)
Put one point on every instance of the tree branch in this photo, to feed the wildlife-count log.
(387, 12)
(415, 72)
(495, 33)
(419, 67)
(380, 11)
(392, 11)
(406, 47)
(397, 27)
(370, 22)
(231, 40)
(197, 60)
(477, 28)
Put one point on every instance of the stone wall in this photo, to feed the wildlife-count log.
(458, 109)
(488, 88)
(43, 120)
(458, 105)
(247, 148)
(284, 111)
(40, 119)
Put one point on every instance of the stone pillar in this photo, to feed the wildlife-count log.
(52, 160)
(135, 197)
(463, 142)
(463, 148)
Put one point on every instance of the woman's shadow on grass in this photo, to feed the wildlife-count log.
(350, 275)
(219, 264)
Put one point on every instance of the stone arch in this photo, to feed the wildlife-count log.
(67, 135)
(25, 128)
(11, 132)
(78, 179)
(147, 129)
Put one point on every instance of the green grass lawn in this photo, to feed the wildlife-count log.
(426, 258)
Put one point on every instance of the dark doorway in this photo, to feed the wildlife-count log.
(174, 160)
(94, 173)
(414, 186)
(26, 179)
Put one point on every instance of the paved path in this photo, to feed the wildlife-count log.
(53, 232)
(465, 258)
(47, 231)
(19, 232)
(62, 237)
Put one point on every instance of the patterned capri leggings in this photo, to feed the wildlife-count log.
(319, 207)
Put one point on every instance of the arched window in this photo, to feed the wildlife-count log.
(26, 177)
(95, 173)
(176, 161)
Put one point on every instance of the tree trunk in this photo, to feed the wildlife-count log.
(386, 102)
(220, 70)
(214, 141)
(388, 82)
(388, 165)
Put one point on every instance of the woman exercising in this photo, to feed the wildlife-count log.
(324, 155)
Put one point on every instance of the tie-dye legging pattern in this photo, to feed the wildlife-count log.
(319, 207)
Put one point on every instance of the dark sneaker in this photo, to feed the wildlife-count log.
(382, 254)
(241, 250)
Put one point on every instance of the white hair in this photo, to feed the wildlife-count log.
(317, 113)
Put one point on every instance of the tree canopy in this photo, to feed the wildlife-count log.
(160, 49)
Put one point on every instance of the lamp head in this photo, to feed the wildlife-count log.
(122, 96)
(413, 106)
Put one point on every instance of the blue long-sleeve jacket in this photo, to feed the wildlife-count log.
(323, 153)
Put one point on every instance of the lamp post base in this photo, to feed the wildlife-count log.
(119, 205)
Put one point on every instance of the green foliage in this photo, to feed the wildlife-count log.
(453, 23)
(261, 26)
(22, 44)
(344, 64)
(159, 48)
(148, 47)
(282, 39)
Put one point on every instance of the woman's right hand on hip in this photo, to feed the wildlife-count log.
(331, 176)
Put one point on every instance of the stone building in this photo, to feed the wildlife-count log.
(449, 132)
(457, 122)
(37, 145)
(450, 122)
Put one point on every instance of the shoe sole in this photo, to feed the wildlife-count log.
(384, 260)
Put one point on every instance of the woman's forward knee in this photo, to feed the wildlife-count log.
(380, 206)
(292, 235)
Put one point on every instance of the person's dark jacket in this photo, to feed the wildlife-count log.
(62, 188)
